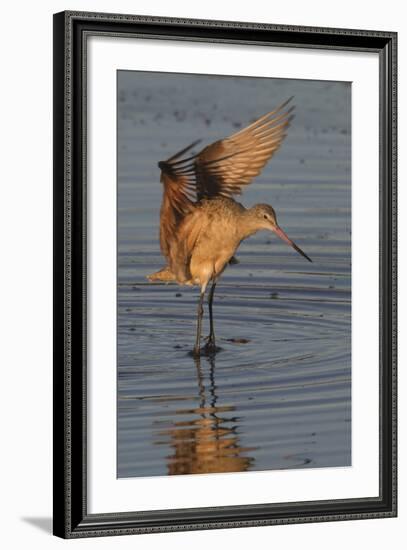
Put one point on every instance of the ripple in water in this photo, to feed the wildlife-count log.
(278, 395)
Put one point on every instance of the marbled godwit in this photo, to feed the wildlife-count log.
(201, 225)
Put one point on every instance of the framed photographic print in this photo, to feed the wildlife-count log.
(224, 274)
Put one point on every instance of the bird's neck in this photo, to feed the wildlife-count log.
(249, 224)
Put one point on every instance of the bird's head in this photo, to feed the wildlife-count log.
(265, 218)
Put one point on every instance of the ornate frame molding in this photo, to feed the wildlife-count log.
(71, 30)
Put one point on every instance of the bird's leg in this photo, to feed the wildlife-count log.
(197, 348)
(211, 337)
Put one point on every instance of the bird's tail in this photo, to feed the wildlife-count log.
(164, 275)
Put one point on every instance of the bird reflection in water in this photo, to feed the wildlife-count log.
(207, 441)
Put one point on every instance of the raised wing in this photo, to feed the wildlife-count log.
(220, 169)
(179, 196)
(224, 167)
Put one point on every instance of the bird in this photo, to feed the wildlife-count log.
(201, 222)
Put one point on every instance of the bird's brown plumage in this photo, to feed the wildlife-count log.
(201, 225)
(219, 170)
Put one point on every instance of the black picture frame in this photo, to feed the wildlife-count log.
(71, 519)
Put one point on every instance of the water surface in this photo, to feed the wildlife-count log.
(278, 395)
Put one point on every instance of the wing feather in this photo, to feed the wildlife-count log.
(221, 169)
(224, 167)
(179, 196)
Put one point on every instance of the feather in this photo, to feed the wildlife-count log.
(221, 169)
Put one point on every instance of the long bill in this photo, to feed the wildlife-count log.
(278, 231)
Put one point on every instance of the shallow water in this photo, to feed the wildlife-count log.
(278, 394)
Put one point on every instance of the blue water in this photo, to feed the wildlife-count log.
(278, 395)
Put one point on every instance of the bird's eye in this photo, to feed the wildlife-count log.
(265, 216)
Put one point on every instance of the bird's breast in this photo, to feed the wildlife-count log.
(211, 256)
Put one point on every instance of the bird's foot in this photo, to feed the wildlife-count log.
(210, 348)
(195, 353)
